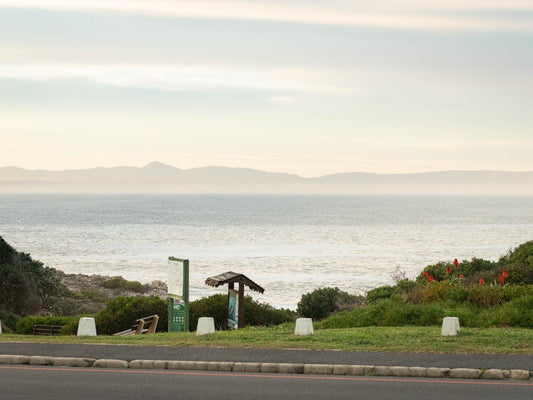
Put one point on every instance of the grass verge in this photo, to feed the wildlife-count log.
(393, 339)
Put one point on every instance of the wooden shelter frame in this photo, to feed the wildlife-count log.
(230, 278)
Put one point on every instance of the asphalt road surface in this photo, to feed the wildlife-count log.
(26, 382)
(486, 361)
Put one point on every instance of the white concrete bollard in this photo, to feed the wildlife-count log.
(87, 327)
(304, 326)
(0, 326)
(450, 326)
(206, 325)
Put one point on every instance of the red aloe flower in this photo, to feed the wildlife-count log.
(504, 274)
(431, 278)
(448, 270)
(501, 279)
(481, 281)
(456, 263)
(425, 275)
(461, 276)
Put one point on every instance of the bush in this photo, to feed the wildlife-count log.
(518, 274)
(468, 268)
(262, 314)
(118, 282)
(486, 296)
(520, 311)
(322, 302)
(255, 313)
(523, 254)
(382, 292)
(120, 313)
(9, 321)
(387, 312)
(26, 285)
(215, 306)
(69, 324)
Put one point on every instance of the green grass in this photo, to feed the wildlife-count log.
(392, 339)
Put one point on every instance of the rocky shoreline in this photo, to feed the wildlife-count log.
(79, 283)
(88, 294)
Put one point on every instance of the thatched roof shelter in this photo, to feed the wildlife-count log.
(231, 277)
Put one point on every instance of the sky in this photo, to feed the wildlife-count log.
(307, 87)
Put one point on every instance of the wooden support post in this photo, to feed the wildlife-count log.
(241, 305)
(153, 325)
(140, 327)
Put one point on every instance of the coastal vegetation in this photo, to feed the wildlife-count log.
(482, 293)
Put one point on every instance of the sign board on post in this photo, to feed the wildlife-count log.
(178, 295)
(233, 309)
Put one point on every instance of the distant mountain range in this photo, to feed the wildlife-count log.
(160, 178)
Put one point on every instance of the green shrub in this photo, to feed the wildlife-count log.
(215, 306)
(518, 274)
(519, 311)
(437, 271)
(322, 302)
(387, 312)
(382, 292)
(262, 314)
(118, 282)
(486, 296)
(69, 324)
(121, 313)
(468, 268)
(9, 321)
(255, 313)
(26, 285)
(404, 287)
(523, 254)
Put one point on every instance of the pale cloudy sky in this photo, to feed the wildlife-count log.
(309, 87)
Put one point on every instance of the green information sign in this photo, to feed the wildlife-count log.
(176, 312)
(178, 295)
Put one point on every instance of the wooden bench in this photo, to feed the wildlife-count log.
(140, 326)
(47, 330)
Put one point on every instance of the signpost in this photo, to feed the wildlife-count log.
(235, 297)
(233, 309)
(178, 295)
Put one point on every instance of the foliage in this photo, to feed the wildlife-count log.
(255, 313)
(9, 321)
(69, 324)
(25, 284)
(323, 301)
(523, 254)
(446, 289)
(379, 293)
(262, 314)
(121, 313)
(118, 282)
(215, 306)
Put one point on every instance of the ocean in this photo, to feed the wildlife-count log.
(289, 245)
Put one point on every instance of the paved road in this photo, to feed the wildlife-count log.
(24, 382)
(262, 355)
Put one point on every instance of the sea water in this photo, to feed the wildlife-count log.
(289, 245)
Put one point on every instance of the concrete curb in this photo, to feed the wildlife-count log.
(281, 368)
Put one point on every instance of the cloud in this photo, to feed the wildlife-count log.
(408, 14)
(175, 78)
(281, 99)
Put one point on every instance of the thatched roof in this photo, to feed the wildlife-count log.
(233, 277)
